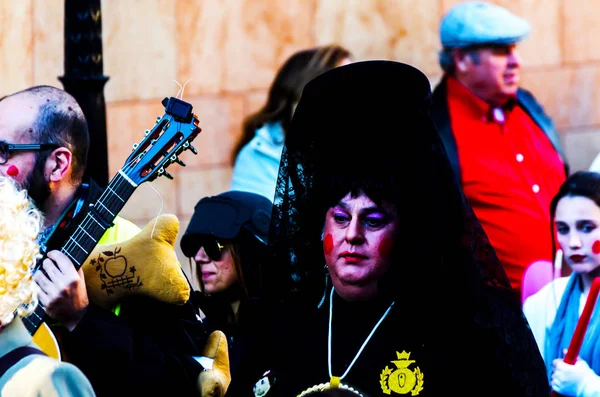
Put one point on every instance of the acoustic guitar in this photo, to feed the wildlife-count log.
(76, 236)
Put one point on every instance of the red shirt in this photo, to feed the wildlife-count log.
(509, 171)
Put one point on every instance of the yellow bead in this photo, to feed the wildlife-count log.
(334, 383)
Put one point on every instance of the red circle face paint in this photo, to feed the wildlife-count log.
(328, 244)
(12, 171)
(385, 247)
(596, 247)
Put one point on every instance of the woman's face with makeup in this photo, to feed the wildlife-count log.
(357, 242)
(577, 223)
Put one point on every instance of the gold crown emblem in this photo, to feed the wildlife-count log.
(402, 380)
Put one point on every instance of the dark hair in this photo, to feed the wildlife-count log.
(579, 184)
(446, 58)
(250, 260)
(61, 121)
(286, 89)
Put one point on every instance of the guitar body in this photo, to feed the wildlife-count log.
(45, 339)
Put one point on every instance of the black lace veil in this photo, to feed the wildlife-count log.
(366, 126)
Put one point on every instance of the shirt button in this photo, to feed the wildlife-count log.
(519, 157)
(535, 188)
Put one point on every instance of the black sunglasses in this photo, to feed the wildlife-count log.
(7, 148)
(212, 247)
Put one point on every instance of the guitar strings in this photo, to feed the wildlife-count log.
(159, 210)
(89, 220)
(181, 88)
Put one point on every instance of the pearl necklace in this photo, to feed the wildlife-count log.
(335, 381)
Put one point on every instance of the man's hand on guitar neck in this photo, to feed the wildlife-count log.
(62, 289)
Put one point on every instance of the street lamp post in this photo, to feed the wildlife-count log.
(84, 79)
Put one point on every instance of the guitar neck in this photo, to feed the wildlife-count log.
(98, 219)
(88, 231)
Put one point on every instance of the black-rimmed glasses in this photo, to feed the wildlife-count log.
(7, 148)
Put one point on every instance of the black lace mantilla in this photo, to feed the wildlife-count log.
(343, 136)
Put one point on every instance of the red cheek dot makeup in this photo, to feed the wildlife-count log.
(596, 247)
(14, 171)
(328, 244)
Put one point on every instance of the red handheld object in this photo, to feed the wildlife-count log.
(582, 324)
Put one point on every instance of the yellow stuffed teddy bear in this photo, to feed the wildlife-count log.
(147, 264)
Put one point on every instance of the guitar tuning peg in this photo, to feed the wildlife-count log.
(158, 118)
(135, 146)
(162, 171)
(187, 145)
(146, 132)
(175, 159)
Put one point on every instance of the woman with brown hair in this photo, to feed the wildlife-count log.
(256, 155)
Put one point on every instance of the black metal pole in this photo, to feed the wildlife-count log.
(84, 78)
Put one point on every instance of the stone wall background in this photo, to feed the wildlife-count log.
(231, 49)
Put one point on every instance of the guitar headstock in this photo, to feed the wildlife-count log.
(162, 145)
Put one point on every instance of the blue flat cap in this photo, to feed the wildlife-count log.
(475, 23)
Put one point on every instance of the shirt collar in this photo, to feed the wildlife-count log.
(272, 132)
(477, 106)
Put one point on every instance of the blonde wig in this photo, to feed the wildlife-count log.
(20, 223)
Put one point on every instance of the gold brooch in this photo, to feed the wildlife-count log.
(402, 380)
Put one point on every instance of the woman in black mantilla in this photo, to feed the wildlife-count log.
(392, 286)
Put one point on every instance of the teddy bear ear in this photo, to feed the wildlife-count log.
(164, 227)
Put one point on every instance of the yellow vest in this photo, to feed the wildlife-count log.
(122, 230)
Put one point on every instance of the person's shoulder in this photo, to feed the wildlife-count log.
(595, 166)
(268, 140)
(44, 376)
(439, 89)
(72, 379)
(527, 98)
(524, 92)
(556, 288)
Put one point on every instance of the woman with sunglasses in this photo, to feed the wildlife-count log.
(227, 239)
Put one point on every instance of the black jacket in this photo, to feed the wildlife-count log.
(147, 350)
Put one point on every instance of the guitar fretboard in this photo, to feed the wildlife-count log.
(88, 232)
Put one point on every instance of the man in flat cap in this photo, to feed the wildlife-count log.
(502, 146)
